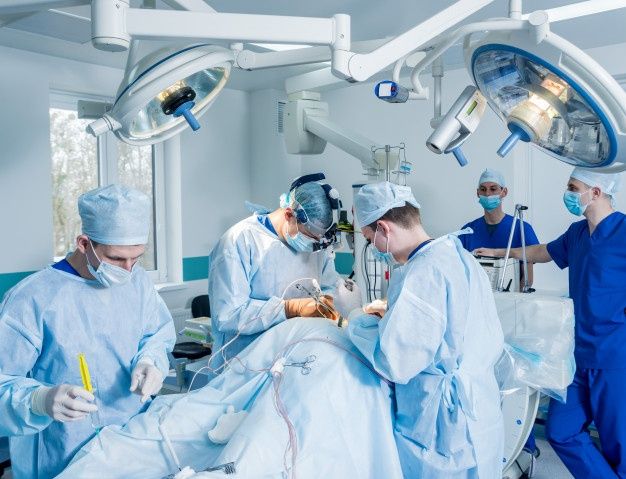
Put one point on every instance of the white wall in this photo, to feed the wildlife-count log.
(215, 172)
(272, 169)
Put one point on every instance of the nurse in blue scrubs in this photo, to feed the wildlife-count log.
(594, 250)
(493, 228)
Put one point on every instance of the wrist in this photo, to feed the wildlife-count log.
(38, 401)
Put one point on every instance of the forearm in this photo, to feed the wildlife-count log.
(16, 416)
(534, 254)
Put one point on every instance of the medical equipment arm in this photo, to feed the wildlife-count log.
(159, 335)
(534, 254)
(232, 308)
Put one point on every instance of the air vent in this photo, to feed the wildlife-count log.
(280, 112)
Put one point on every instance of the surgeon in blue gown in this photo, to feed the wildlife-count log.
(256, 264)
(492, 230)
(438, 341)
(99, 302)
(594, 250)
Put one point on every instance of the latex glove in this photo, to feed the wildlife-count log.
(146, 380)
(62, 403)
(377, 307)
(329, 311)
(304, 307)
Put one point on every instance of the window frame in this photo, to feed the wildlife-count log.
(107, 158)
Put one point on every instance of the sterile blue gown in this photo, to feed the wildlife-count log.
(439, 342)
(250, 270)
(45, 322)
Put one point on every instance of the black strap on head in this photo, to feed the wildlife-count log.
(301, 180)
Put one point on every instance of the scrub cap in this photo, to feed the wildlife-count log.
(115, 215)
(609, 183)
(492, 176)
(375, 199)
(311, 198)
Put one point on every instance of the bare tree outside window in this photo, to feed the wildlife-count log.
(135, 169)
(74, 171)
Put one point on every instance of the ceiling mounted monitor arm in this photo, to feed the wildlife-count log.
(361, 67)
(308, 128)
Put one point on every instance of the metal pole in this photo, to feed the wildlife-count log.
(508, 252)
(515, 9)
(519, 209)
(388, 172)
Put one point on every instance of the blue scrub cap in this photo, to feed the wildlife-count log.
(311, 198)
(115, 215)
(375, 199)
(609, 183)
(492, 176)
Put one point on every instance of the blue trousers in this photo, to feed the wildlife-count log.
(596, 395)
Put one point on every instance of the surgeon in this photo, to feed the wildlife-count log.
(256, 265)
(594, 250)
(438, 341)
(492, 230)
(100, 302)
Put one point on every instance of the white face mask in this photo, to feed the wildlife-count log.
(108, 274)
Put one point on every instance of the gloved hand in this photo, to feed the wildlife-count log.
(377, 307)
(146, 380)
(62, 403)
(330, 312)
(304, 307)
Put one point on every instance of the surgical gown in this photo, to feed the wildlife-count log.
(45, 322)
(250, 270)
(439, 342)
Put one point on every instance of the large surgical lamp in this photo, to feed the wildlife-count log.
(551, 94)
(165, 92)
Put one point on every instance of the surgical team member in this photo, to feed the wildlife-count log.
(594, 250)
(259, 259)
(99, 302)
(438, 341)
(492, 230)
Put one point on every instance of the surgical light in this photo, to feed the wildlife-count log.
(551, 94)
(166, 91)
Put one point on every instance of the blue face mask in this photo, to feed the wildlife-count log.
(572, 202)
(490, 202)
(386, 257)
(107, 274)
(300, 243)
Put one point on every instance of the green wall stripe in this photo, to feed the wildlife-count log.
(8, 280)
(196, 267)
(344, 262)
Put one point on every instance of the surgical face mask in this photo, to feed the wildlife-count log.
(386, 257)
(108, 274)
(489, 202)
(300, 243)
(572, 202)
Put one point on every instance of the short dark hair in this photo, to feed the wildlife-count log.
(405, 216)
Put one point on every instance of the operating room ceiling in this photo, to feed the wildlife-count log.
(62, 36)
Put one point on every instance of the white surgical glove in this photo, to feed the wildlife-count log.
(377, 307)
(62, 403)
(146, 380)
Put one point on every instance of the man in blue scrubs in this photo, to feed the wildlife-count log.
(594, 249)
(492, 230)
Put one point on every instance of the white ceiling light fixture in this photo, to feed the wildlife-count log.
(165, 92)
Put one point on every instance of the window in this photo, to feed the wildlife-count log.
(80, 163)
